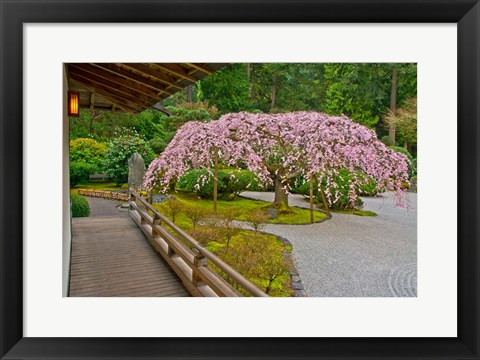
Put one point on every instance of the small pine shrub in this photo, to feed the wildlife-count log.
(205, 234)
(80, 207)
(196, 214)
(257, 220)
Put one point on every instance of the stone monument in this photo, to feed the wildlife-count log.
(136, 172)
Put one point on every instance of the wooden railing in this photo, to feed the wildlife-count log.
(187, 257)
(105, 194)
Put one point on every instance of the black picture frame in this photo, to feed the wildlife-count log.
(466, 13)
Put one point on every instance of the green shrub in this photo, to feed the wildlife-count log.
(88, 151)
(205, 234)
(158, 144)
(80, 207)
(79, 172)
(230, 183)
(120, 149)
(368, 187)
(386, 140)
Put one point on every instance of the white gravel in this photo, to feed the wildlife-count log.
(355, 256)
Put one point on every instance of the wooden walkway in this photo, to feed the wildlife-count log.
(111, 257)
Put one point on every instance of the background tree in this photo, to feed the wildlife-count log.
(227, 89)
(364, 91)
(404, 120)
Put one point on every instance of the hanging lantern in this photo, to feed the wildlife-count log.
(73, 103)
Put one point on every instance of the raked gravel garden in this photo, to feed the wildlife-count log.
(355, 256)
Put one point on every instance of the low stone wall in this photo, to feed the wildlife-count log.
(105, 194)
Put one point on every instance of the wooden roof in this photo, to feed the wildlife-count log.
(132, 87)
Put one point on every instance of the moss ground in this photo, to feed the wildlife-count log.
(245, 207)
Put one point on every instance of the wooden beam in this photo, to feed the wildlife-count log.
(200, 68)
(162, 109)
(130, 75)
(128, 84)
(120, 103)
(92, 102)
(131, 94)
(147, 70)
(176, 70)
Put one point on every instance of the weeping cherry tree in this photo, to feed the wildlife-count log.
(280, 147)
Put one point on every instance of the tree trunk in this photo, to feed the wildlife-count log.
(325, 204)
(311, 199)
(274, 92)
(94, 115)
(189, 93)
(324, 199)
(91, 130)
(281, 197)
(393, 105)
(249, 76)
(215, 182)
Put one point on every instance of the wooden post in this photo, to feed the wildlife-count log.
(156, 222)
(132, 200)
(215, 180)
(311, 200)
(199, 261)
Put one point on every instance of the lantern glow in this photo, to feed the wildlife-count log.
(73, 103)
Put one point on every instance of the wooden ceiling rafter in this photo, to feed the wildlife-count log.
(200, 68)
(176, 70)
(121, 82)
(120, 93)
(121, 103)
(147, 70)
(116, 103)
(130, 93)
(130, 75)
(132, 87)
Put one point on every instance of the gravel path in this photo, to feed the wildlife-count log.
(106, 207)
(352, 255)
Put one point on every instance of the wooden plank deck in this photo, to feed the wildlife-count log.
(111, 257)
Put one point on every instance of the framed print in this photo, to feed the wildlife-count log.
(47, 44)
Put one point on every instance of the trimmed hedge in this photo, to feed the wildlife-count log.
(80, 207)
(230, 183)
